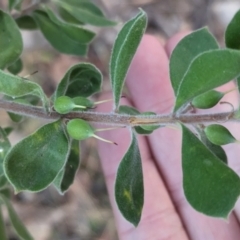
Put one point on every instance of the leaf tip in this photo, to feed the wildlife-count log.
(136, 223)
(142, 11)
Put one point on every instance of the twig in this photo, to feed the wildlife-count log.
(115, 118)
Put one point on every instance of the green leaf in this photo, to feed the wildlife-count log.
(86, 12)
(3, 181)
(4, 148)
(6, 192)
(16, 67)
(210, 186)
(3, 235)
(14, 4)
(27, 23)
(215, 149)
(15, 117)
(232, 34)
(188, 48)
(82, 79)
(129, 192)
(57, 37)
(219, 135)
(8, 130)
(208, 71)
(33, 163)
(238, 83)
(67, 17)
(11, 44)
(123, 52)
(85, 4)
(66, 176)
(78, 34)
(218, 151)
(16, 222)
(207, 100)
(15, 87)
(133, 111)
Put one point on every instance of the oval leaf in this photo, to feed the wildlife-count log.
(16, 67)
(33, 163)
(232, 34)
(86, 12)
(15, 117)
(129, 192)
(207, 100)
(86, 4)
(219, 135)
(207, 71)
(3, 182)
(123, 52)
(188, 48)
(78, 34)
(6, 192)
(16, 222)
(67, 17)
(83, 79)
(66, 176)
(206, 180)
(14, 4)
(15, 87)
(8, 130)
(4, 148)
(57, 37)
(27, 23)
(11, 44)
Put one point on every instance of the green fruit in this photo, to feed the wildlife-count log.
(207, 100)
(79, 129)
(64, 104)
(219, 135)
(82, 101)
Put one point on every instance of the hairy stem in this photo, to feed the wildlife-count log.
(118, 119)
(29, 9)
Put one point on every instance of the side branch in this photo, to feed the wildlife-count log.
(117, 119)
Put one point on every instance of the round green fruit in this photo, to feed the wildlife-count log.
(64, 104)
(79, 129)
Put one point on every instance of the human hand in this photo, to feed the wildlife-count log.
(166, 213)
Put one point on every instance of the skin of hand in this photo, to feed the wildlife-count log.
(166, 213)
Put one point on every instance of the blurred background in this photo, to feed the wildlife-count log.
(84, 212)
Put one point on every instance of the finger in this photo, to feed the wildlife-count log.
(159, 219)
(151, 91)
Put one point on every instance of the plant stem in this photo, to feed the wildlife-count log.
(116, 119)
(29, 9)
